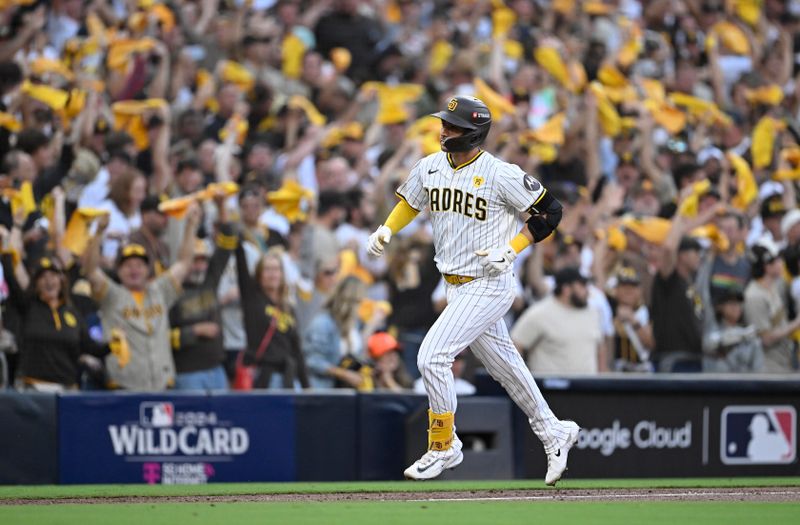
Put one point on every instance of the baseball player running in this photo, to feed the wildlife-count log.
(473, 199)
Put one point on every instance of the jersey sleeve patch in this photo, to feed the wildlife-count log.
(519, 189)
(530, 183)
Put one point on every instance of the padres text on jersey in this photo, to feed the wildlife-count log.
(472, 206)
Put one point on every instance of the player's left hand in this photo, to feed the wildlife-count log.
(378, 240)
(497, 260)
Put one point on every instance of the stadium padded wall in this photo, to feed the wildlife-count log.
(654, 427)
(28, 438)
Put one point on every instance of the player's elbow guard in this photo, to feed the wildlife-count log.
(545, 217)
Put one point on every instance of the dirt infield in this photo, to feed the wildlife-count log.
(771, 494)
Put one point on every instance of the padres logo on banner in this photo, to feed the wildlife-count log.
(477, 181)
(452, 104)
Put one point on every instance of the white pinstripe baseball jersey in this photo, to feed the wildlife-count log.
(473, 206)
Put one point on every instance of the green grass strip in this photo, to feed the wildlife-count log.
(401, 513)
(71, 491)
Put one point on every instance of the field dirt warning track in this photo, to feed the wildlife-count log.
(770, 494)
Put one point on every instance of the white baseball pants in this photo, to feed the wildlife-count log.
(473, 318)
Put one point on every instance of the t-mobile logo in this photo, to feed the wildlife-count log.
(151, 473)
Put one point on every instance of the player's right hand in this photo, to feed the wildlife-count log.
(497, 260)
(378, 240)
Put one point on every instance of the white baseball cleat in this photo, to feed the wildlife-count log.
(434, 462)
(557, 460)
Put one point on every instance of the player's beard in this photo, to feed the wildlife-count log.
(577, 301)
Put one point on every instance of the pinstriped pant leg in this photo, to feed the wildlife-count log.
(502, 360)
(472, 308)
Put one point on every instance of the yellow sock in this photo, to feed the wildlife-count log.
(440, 430)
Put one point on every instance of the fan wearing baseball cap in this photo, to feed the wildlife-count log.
(633, 331)
(135, 312)
(561, 334)
(51, 333)
(390, 372)
(676, 304)
(773, 210)
(195, 319)
(764, 307)
(149, 235)
(729, 344)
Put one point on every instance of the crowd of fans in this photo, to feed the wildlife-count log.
(187, 186)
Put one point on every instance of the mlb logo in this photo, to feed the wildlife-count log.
(758, 435)
(156, 414)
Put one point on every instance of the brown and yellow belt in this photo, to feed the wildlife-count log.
(457, 279)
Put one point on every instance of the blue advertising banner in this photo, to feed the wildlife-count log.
(176, 439)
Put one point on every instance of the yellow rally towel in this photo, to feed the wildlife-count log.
(748, 10)
(42, 66)
(341, 58)
(392, 115)
(497, 104)
(426, 131)
(700, 109)
(293, 50)
(23, 199)
(164, 16)
(564, 7)
(746, 187)
(614, 237)
(651, 229)
(764, 134)
(441, 53)
(550, 59)
(654, 90)
(367, 308)
(610, 76)
(393, 99)
(551, 132)
(76, 236)
(731, 36)
(770, 95)
(610, 121)
(56, 99)
(348, 265)
(351, 130)
(503, 19)
(128, 116)
(120, 52)
(177, 207)
(513, 49)
(75, 104)
(235, 73)
(669, 117)
(217, 188)
(9, 122)
(597, 7)
(118, 344)
(241, 127)
(688, 207)
(291, 200)
(311, 111)
(629, 51)
(789, 165)
(546, 153)
(710, 231)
